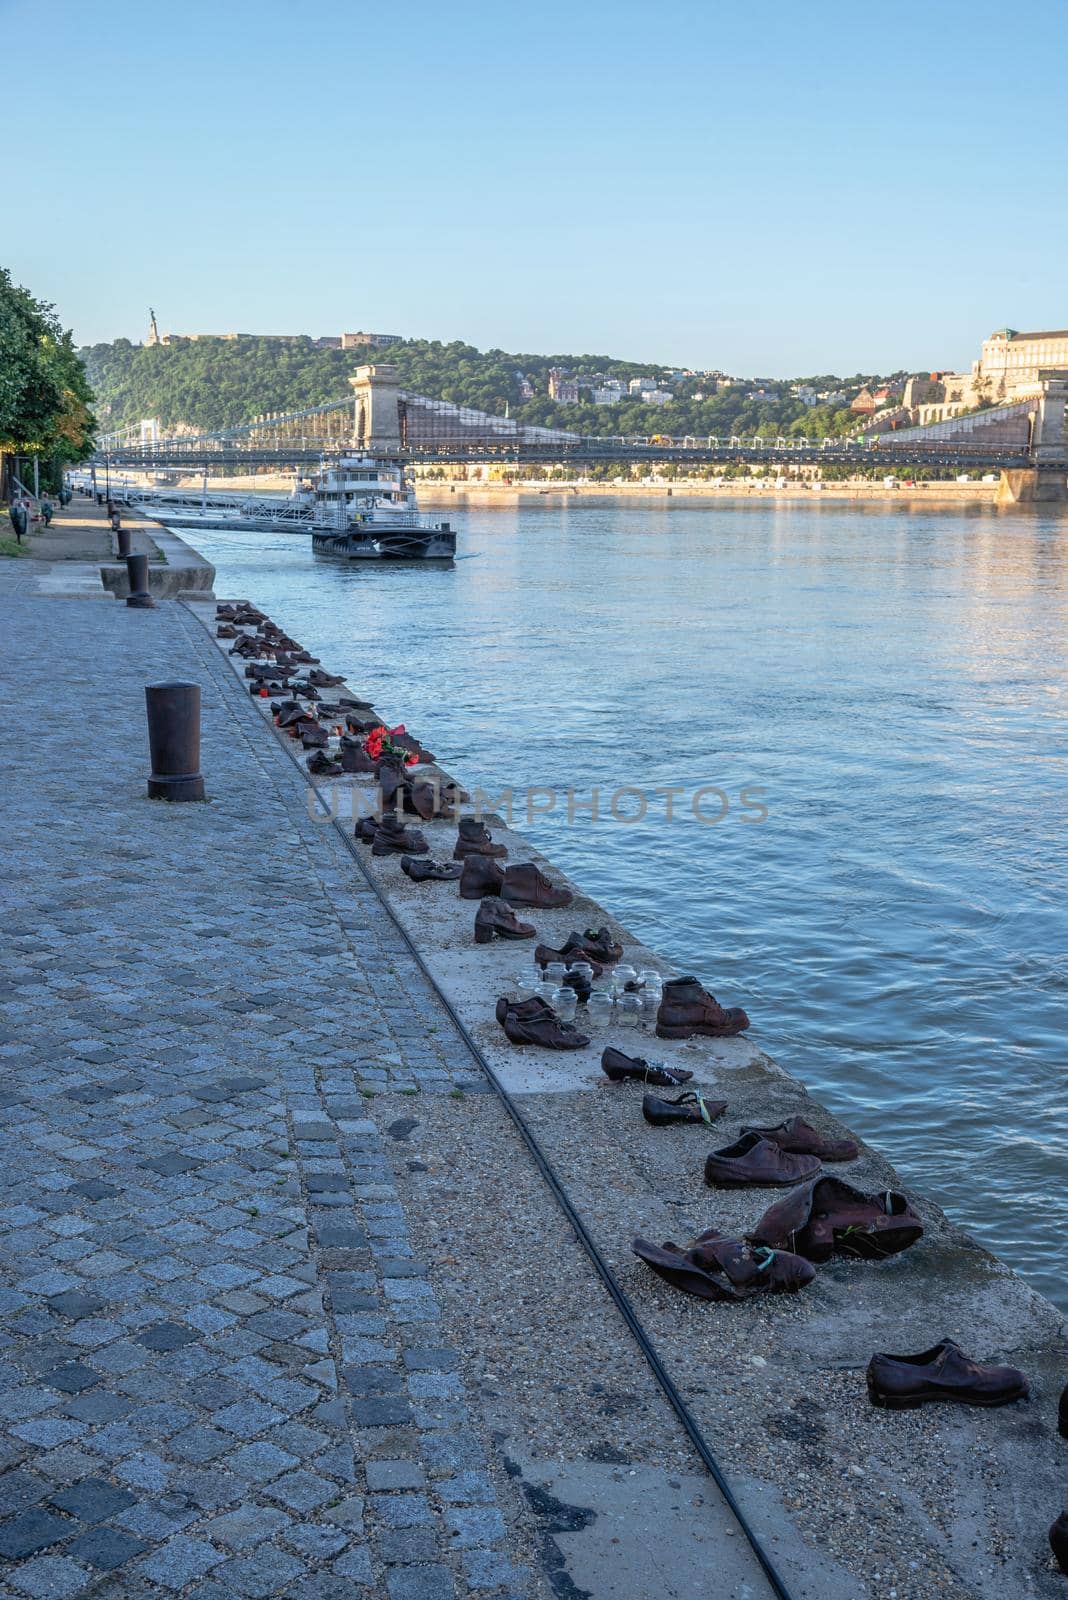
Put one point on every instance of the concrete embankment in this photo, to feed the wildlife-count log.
(852, 1502)
(78, 557)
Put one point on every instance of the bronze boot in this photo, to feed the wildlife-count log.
(494, 919)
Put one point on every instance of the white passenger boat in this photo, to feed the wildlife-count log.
(365, 509)
(357, 508)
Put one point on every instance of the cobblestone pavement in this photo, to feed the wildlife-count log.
(221, 1372)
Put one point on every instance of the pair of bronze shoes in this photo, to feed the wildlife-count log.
(523, 885)
(534, 1021)
(775, 1157)
(422, 870)
(473, 838)
(901, 1383)
(687, 1009)
(496, 920)
(717, 1267)
(390, 837)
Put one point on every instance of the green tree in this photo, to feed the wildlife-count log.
(44, 393)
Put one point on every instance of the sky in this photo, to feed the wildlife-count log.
(769, 189)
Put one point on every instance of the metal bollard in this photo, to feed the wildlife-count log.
(174, 741)
(116, 522)
(137, 567)
(123, 536)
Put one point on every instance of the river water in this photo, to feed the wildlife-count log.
(895, 682)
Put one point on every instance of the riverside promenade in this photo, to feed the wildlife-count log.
(287, 1308)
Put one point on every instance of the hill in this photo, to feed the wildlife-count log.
(213, 383)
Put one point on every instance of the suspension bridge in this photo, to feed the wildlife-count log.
(1025, 441)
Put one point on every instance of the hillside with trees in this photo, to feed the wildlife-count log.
(211, 383)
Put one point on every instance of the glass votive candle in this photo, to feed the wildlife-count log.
(621, 976)
(565, 1003)
(526, 983)
(628, 1010)
(599, 1008)
(549, 992)
(557, 971)
(584, 972)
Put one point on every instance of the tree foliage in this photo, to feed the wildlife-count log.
(45, 396)
(211, 383)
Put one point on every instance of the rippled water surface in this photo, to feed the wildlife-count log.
(896, 684)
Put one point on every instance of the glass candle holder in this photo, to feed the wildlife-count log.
(565, 1003)
(526, 983)
(621, 976)
(557, 971)
(628, 1010)
(599, 1009)
(549, 992)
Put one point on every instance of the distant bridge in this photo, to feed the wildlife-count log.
(387, 421)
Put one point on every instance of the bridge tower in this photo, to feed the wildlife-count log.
(377, 410)
(1048, 479)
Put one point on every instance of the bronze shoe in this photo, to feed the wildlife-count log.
(829, 1217)
(687, 1009)
(428, 800)
(1058, 1541)
(525, 885)
(689, 1106)
(598, 945)
(323, 766)
(481, 875)
(354, 757)
(717, 1267)
(473, 838)
(495, 919)
(534, 1022)
(422, 870)
(569, 956)
(392, 836)
(755, 1162)
(900, 1383)
(634, 1069)
(803, 1139)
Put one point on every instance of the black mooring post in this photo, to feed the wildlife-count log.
(137, 567)
(123, 536)
(174, 741)
(116, 521)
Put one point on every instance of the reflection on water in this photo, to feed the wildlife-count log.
(894, 681)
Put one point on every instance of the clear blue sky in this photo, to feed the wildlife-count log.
(770, 188)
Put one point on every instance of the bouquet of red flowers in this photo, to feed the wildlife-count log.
(379, 744)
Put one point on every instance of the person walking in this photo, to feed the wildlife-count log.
(19, 519)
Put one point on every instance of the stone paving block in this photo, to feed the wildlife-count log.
(395, 1475)
(50, 1576)
(178, 1561)
(429, 1582)
(93, 1500)
(105, 1548)
(31, 1531)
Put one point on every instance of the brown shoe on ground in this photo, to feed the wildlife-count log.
(473, 838)
(422, 870)
(1058, 1541)
(802, 1139)
(569, 956)
(481, 876)
(392, 837)
(535, 1022)
(753, 1162)
(687, 1107)
(687, 1009)
(635, 1069)
(494, 919)
(827, 1217)
(525, 885)
(717, 1267)
(900, 1383)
